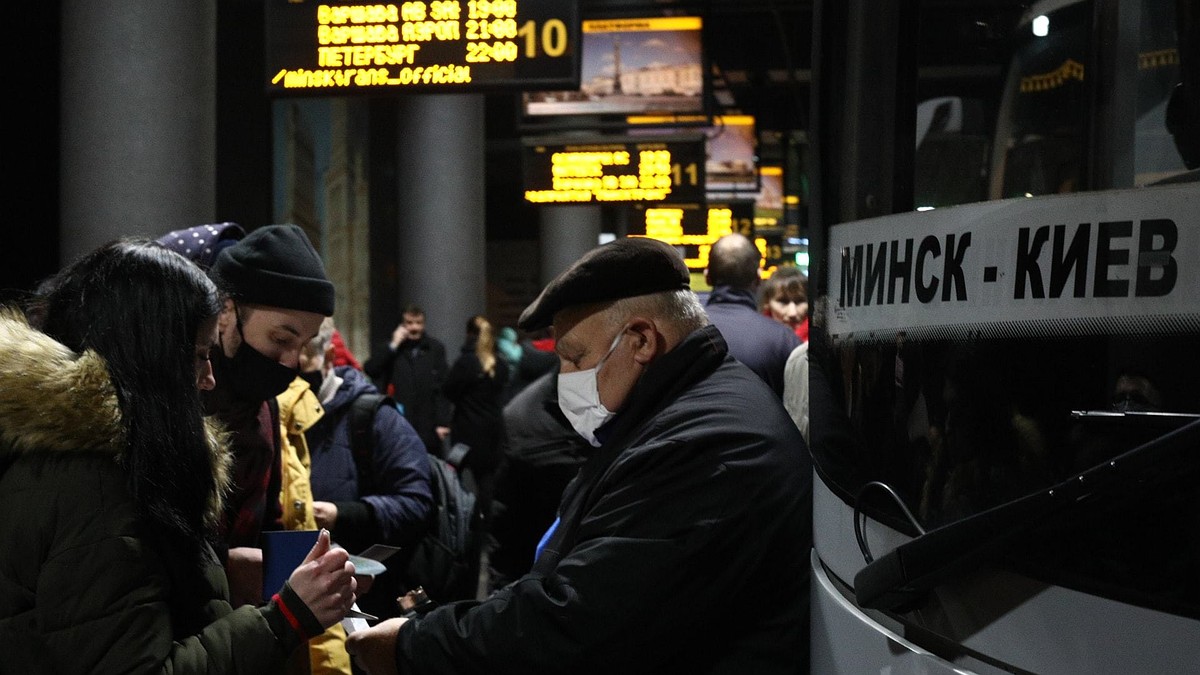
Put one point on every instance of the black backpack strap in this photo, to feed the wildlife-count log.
(362, 435)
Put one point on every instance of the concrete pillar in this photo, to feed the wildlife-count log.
(567, 232)
(138, 128)
(441, 236)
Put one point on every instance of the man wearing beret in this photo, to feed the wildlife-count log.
(682, 546)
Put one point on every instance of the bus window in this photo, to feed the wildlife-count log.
(1155, 154)
(1044, 115)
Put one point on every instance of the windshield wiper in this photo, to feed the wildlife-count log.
(914, 568)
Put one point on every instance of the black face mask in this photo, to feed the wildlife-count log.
(249, 376)
(314, 380)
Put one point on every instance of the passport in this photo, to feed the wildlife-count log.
(283, 551)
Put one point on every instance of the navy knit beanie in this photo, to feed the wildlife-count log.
(203, 243)
(276, 266)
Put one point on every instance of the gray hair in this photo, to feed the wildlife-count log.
(679, 310)
(321, 341)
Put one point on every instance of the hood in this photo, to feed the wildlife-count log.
(40, 379)
(55, 400)
(353, 384)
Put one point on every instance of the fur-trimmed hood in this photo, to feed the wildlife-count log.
(55, 400)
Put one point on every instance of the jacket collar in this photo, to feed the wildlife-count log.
(727, 295)
(665, 379)
(299, 407)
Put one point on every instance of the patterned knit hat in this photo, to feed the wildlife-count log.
(202, 243)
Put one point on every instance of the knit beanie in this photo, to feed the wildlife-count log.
(276, 266)
(203, 243)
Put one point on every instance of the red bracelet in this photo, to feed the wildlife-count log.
(291, 618)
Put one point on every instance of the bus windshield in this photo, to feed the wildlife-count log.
(975, 355)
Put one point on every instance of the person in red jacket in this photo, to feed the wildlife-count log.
(784, 297)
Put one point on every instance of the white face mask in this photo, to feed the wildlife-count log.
(579, 398)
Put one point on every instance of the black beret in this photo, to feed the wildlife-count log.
(276, 266)
(619, 269)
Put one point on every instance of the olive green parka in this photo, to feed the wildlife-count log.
(87, 585)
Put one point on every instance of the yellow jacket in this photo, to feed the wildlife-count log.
(299, 409)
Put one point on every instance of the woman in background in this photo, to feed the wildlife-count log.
(111, 483)
(475, 385)
(783, 297)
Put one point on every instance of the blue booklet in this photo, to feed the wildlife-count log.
(283, 551)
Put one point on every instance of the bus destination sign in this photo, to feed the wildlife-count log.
(338, 48)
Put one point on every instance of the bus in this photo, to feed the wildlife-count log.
(1004, 364)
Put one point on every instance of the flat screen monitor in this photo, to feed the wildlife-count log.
(730, 148)
(637, 66)
(732, 162)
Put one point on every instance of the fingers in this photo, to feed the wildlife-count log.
(325, 581)
(319, 548)
(373, 648)
(341, 587)
(329, 592)
(325, 513)
(335, 561)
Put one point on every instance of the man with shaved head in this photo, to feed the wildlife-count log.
(758, 341)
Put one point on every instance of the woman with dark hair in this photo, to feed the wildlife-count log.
(475, 385)
(111, 483)
(783, 297)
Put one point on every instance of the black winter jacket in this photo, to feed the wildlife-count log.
(683, 543)
(414, 374)
(476, 397)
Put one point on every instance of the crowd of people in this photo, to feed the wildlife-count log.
(207, 399)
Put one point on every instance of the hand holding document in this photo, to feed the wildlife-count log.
(284, 550)
(322, 575)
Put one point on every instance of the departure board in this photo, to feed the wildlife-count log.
(693, 228)
(621, 170)
(340, 48)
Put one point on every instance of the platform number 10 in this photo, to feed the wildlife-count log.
(553, 38)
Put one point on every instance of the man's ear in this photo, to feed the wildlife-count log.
(227, 315)
(226, 335)
(650, 343)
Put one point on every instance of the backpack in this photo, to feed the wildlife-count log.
(445, 562)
